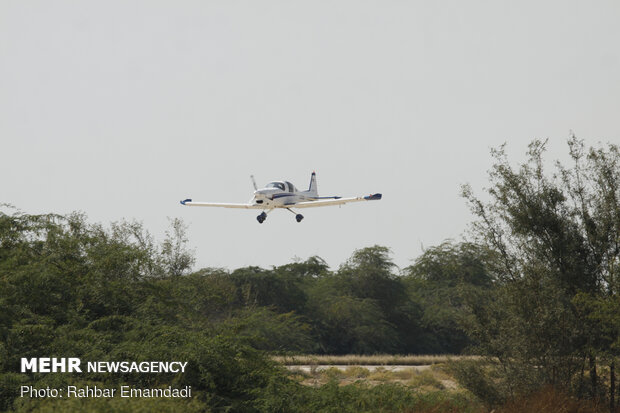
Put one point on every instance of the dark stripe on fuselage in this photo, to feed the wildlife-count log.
(282, 195)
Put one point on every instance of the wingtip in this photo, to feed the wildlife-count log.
(185, 200)
(373, 197)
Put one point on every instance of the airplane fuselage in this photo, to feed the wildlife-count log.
(276, 198)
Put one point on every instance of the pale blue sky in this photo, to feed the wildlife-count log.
(120, 109)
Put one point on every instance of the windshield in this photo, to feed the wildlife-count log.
(278, 185)
(291, 187)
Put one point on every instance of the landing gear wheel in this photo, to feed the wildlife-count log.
(299, 217)
(261, 218)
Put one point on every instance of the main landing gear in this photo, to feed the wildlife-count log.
(298, 217)
(262, 217)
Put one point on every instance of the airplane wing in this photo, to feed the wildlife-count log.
(189, 202)
(336, 201)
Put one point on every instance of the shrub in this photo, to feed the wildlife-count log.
(333, 373)
(426, 379)
(357, 372)
(473, 376)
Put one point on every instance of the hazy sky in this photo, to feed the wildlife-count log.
(120, 109)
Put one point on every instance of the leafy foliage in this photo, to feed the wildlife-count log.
(551, 313)
(74, 289)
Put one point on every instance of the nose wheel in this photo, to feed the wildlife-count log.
(262, 217)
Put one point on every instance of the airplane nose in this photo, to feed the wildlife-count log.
(263, 194)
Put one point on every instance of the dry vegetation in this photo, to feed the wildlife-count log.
(429, 378)
(373, 360)
(549, 400)
(436, 383)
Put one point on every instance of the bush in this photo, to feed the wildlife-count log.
(333, 373)
(473, 376)
(357, 372)
(426, 379)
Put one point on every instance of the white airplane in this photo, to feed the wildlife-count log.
(283, 194)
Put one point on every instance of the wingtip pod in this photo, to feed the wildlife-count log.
(185, 200)
(373, 197)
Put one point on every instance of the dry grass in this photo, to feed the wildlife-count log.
(426, 382)
(549, 400)
(298, 375)
(333, 373)
(357, 372)
(381, 375)
(406, 374)
(426, 379)
(317, 370)
(378, 359)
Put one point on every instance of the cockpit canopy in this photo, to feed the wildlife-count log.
(285, 186)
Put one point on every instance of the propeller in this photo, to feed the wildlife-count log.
(253, 182)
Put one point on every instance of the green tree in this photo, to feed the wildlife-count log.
(556, 237)
(440, 281)
(175, 257)
(259, 287)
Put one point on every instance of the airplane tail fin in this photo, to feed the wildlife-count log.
(313, 189)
